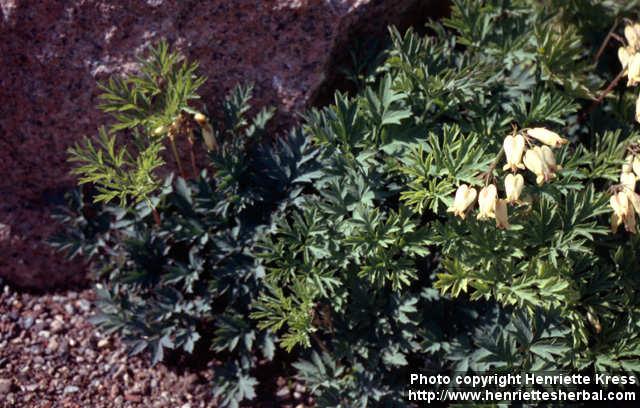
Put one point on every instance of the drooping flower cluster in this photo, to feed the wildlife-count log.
(625, 200)
(540, 160)
(629, 56)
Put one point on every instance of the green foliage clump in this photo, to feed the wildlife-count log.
(140, 103)
(374, 273)
(177, 269)
(339, 244)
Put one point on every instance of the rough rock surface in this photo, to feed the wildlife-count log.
(53, 51)
(51, 356)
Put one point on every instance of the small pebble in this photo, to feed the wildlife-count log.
(53, 345)
(70, 389)
(83, 305)
(5, 385)
(26, 323)
(56, 326)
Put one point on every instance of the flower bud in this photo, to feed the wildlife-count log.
(487, 202)
(209, 138)
(160, 130)
(200, 118)
(513, 149)
(633, 72)
(547, 137)
(207, 131)
(502, 216)
(465, 196)
(513, 185)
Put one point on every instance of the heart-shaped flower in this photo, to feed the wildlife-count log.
(513, 149)
(633, 70)
(465, 196)
(487, 202)
(513, 185)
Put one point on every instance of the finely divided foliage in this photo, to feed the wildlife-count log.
(185, 278)
(552, 288)
(452, 214)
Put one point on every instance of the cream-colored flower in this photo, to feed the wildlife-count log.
(207, 131)
(535, 161)
(623, 56)
(620, 204)
(513, 185)
(627, 166)
(622, 212)
(550, 160)
(502, 216)
(634, 199)
(487, 202)
(513, 151)
(465, 196)
(547, 137)
(635, 164)
(632, 34)
(628, 180)
(638, 109)
(633, 70)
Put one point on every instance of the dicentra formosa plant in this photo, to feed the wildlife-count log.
(175, 255)
(148, 109)
(386, 268)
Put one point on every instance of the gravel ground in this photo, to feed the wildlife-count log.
(51, 356)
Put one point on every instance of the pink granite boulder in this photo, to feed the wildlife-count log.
(53, 51)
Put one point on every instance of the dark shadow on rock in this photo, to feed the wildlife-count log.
(368, 40)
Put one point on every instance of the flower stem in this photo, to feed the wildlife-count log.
(486, 177)
(192, 155)
(176, 156)
(154, 212)
(321, 343)
(156, 216)
(610, 35)
(604, 93)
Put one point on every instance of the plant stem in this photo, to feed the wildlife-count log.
(154, 212)
(176, 156)
(156, 216)
(192, 156)
(606, 41)
(321, 343)
(489, 173)
(610, 88)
